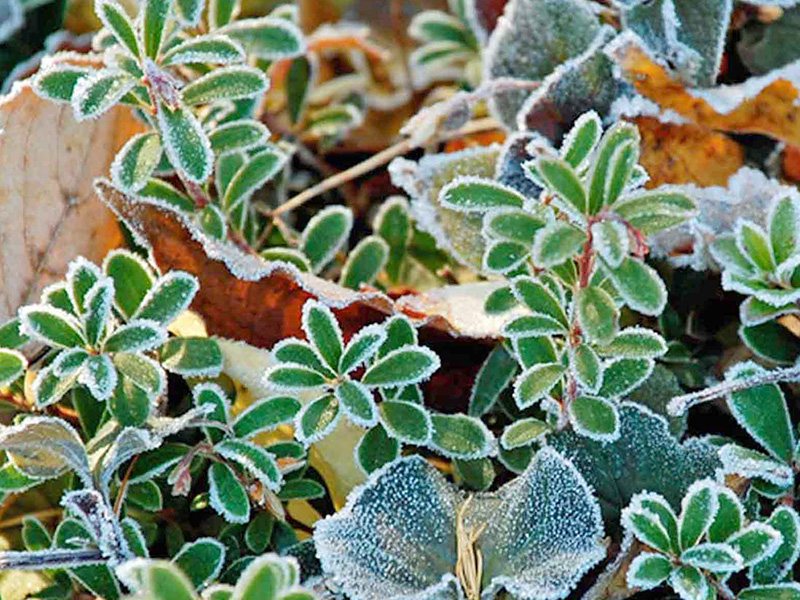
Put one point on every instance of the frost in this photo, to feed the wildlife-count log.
(633, 106)
(101, 522)
(514, 154)
(751, 464)
(99, 376)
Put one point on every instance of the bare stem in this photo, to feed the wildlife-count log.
(48, 559)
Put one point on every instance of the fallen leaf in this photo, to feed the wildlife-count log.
(48, 212)
(674, 153)
(766, 105)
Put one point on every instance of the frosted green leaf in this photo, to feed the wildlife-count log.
(648, 570)
(751, 463)
(500, 300)
(595, 418)
(532, 325)
(317, 419)
(302, 489)
(772, 569)
(755, 542)
(201, 560)
(404, 366)
(255, 459)
(325, 235)
(333, 120)
(96, 93)
(493, 377)
(146, 495)
(640, 286)
(461, 436)
(225, 83)
(10, 334)
(621, 169)
(211, 220)
(192, 356)
(762, 411)
(364, 262)
(473, 194)
(357, 403)
(539, 299)
(49, 388)
(185, 142)
(136, 161)
(536, 382)
(157, 189)
(252, 175)
(581, 140)
(267, 37)
(259, 531)
(784, 225)
(753, 243)
(226, 495)
(512, 224)
(265, 415)
(143, 371)
(222, 12)
(322, 329)
(129, 404)
(597, 314)
(298, 85)
(35, 535)
(292, 377)
(562, 179)
(375, 449)
(154, 20)
(155, 462)
(300, 352)
(12, 480)
(654, 210)
(58, 296)
(99, 579)
(189, 11)
(52, 326)
(12, 366)
(406, 421)
(117, 21)
(611, 241)
(287, 255)
(780, 591)
(361, 347)
(139, 335)
(396, 535)
(729, 518)
(58, 83)
(203, 49)
(69, 361)
(214, 399)
(99, 375)
(241, 134)
(698, 508)
(399, 332)
(586, 367)
(689, 582)
(132, 278)
(619, 134)
(82, 275)
(504, 255)
(646, 525)
(717, 558)
(523, 432)
(636, 342)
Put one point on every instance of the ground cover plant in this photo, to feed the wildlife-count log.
(422, 299)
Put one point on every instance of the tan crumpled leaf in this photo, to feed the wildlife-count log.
(687, 153)
(48, 211)
(766, 105)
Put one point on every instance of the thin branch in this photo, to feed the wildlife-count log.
(48, 559)
(680, 404)
(42, 515)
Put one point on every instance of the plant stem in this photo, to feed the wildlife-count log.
(124, 485)
(42, 515)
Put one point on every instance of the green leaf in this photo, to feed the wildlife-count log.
(586, 367)
(323, 332)
(646, 525)
(287, 255)
(192, 356)
(400, 367)
(58, 83)
(265, 415)
(536, 382)
(142, 371)
(136, 336)
(35, 535)
(298, 85)
(95, 94)
(648, 570)
(293, 378)
(611, 241)
(636, 342)
(755, 542)
(753, 243)
(357, 403)
(375, 449)
(640, 286)
(753, 464)
(52, 326)
(168, 298)
(494, 376)
(317, 419)
(364, 262)
(729, 517)
(259, 531)
(504, 255)
(154, 19)
(361, 347)
(334, 120)
(267, 37)
(523, 432)
(132, 278)
(597, 314)
(581, 140)
(129, 403)
(621, 169)
(774, 568)
(11, 335)
(562, 179)
(689, 582)
(185, 142)
(201, 560)
(203, 49)
(616, 136)
(406, 421)
(461, 436)
(326, 234)
(513, 224)
(595, 417)
(145, 495)
(780, 591)
(500, 300)
(189, 11)
(162, 580)
(241, 134)
(222, 12)
(697, 512)
(784, 225)
(255, 459)
(136, 161)
(539, 299)
(212, 222)
(471, 194)
(155, 462)
(226, 495)
(116, 20)
(477, 475)
(157, 189)
(655, 210)
(556, 243)
(225, 83)
(717, 558)
(12, 366)
(302, 353)
(763, 413)
(302, 489)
